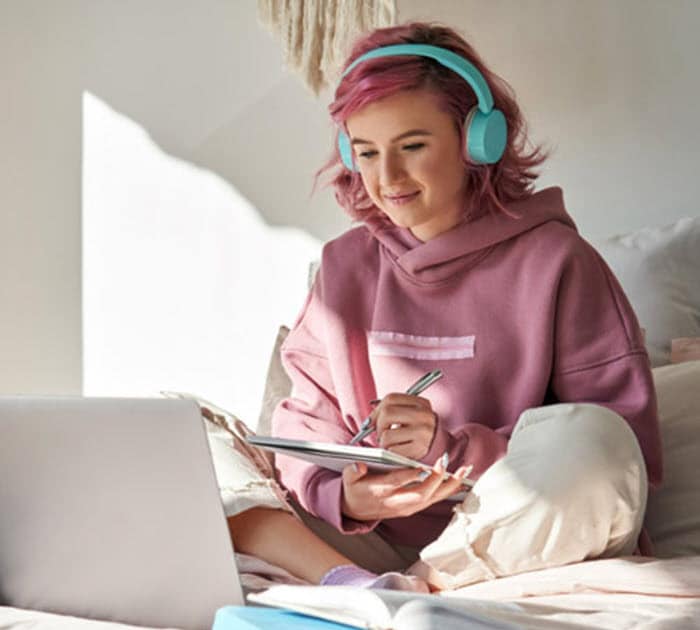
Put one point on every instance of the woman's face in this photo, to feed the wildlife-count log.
(404, 145)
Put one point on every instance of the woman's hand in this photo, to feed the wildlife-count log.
(376, 496)
(405, 424)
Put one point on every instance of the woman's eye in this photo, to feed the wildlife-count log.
(408, 147)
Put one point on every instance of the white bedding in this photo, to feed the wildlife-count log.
(18, 619)
(619, 594)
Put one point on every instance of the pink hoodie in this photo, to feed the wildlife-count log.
(517, 313)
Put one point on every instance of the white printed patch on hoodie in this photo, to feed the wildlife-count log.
(395, 344)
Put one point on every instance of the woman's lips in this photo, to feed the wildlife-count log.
(403, 198)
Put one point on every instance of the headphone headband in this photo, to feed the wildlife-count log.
(447, 58)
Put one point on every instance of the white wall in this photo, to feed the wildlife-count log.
(205, 81)
(184, 285)
(612, 86)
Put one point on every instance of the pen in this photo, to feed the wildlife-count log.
(419, 386)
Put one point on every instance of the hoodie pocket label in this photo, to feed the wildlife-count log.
(394, 344)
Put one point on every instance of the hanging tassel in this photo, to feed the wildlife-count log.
(316, 35)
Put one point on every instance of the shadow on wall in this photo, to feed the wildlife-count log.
(184, 285)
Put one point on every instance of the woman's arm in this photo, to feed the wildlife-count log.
(599, 353)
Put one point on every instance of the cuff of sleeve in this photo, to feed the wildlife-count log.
(442, 443)
(330, 510)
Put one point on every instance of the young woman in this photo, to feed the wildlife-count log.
(458, 264)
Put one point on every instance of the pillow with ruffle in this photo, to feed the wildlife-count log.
(659, 270)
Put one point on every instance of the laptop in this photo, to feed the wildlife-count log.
(110, 509)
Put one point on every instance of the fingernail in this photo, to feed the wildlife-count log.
(375, 402)
(444, 460)
(356, 468)
(423, 475)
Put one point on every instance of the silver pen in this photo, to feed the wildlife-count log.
(419, 386)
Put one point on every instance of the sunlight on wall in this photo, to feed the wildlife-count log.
(184, 286)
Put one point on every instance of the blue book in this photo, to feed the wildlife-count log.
(256, 617)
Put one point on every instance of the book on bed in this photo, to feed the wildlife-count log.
(384, 609)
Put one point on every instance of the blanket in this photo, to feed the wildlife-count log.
(618, 593)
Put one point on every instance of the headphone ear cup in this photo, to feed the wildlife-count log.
(345, 150)
(486, 135)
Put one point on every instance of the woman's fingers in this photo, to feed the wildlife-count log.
(388, 483)
(382, 483)
(432, 489)
(403, 434)
(354, 472)
(441, 484)
(400, 408)
(452, 485)
(401, 415)
(405, 400)
(392, 419)
(436, 479)
(405, 424)
(402, 492)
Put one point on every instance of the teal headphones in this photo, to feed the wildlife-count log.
(485, 127)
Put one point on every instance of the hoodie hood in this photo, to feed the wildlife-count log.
(466, 244)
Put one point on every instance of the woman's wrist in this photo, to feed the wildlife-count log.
(442, 443)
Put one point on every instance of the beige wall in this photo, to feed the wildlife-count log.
(611, 86)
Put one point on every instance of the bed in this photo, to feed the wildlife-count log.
(659, 268)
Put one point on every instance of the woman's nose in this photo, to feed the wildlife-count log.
(392, 170)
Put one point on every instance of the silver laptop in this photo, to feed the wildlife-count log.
(109, 509)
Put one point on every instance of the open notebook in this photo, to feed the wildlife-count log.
(352, 607)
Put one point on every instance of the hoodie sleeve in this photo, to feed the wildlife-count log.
(473, 444)
(312, 413)
(599, 353)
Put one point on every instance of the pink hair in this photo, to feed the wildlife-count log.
(490, 186)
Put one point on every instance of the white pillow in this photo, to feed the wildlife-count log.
(277, 387)
(659, 270)
(673, 511)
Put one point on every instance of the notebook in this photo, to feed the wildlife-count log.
(373, 609)
(111, 510)
(337, 456)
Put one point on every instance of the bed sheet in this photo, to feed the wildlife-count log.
(20, 619)
(616, 594)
